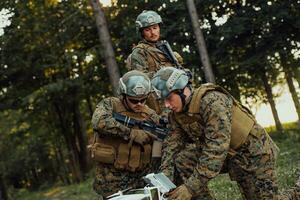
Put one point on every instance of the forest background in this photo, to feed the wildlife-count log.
(54, 71)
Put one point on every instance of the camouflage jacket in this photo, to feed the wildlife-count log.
(211, 135)
(149, 59)
(104, 123)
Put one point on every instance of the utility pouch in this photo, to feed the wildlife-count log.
(156, 150)
(135, 158)
(123, 155)
(103, 153)
(146, 156)
(242, 124)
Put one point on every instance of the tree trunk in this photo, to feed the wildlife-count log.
(270, 98)
(79, 130)
(297, 75)
(3, 190)
(64, 166)
(60, 166)
(289, 79)
(89, 105)
(209, 76)
(71, 145)
(109, 55)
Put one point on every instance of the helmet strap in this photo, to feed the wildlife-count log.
(125, 102)
(182, 96)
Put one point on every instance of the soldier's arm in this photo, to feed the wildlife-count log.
(180, 61)
(137, 60)
(153, 116)
(178, 57)
(217, 115)
(172, 145)
(104, 123)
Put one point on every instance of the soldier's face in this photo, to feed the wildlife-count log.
(136, 104)
(151, 33)
(173, 102)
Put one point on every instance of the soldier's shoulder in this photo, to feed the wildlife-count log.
(214, 95)
(139, 49)
(215, 100)
(109, 101)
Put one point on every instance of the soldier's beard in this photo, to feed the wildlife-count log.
(137, 108)
(153, 38)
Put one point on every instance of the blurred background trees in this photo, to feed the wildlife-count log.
(54, 70)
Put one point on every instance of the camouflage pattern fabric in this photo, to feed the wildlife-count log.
(147, 58)
(197, 152)
(109, 180)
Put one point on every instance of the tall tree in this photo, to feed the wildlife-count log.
(208, 72)
(289, 79)
(3, 190)
(104, 37)
(270, 98)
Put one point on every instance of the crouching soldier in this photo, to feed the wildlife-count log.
(123, 154)
(214, 133)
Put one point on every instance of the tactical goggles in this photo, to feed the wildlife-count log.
(136, 101)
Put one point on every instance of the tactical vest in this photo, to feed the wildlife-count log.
(242, 119)
(156, 59)
(119, 152)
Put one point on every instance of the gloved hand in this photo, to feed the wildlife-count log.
(180, 193)
(139, 136)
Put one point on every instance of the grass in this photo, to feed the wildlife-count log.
(81, 191)
(288, 170)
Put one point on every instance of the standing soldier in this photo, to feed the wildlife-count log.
(123, 154)
(151, 53)
(214, 133)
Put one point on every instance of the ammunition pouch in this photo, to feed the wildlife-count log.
(103, 153)
(156, 150)
(120, 154)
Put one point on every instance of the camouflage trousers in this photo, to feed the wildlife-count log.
(252, 167)
(108, 180)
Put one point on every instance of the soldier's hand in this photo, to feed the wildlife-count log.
(180, 193)
(139, 136)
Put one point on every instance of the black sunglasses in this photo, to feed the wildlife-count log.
(136, 101)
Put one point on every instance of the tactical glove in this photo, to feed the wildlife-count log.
(139, 136)
(180, 193)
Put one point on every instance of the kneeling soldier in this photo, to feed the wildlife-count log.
(214, 133)
(123, 154)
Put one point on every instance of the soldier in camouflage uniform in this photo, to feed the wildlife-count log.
(214, 133)
(145, 56)
(123, 154)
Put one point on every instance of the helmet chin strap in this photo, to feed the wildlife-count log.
(125, 102)
(182, 97)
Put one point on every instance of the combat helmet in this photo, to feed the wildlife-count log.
(134, 83)
(147, 18)
(169, 79)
